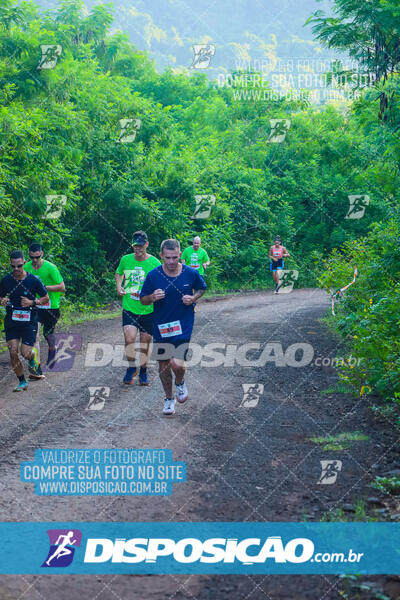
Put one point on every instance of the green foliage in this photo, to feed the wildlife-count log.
(370, 33)
(388, 485)
(60, 130)
(368, 318)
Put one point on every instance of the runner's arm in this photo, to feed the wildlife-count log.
(188, 300)
(285, 252)
(25, 302)
(118, 282)
(198, 294)
(151, 298)
(60, 287)
(270, 255)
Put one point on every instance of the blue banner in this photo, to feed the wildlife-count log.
(192, 548)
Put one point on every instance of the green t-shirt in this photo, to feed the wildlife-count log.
(195, 258)
(48, 275)
(135, 272)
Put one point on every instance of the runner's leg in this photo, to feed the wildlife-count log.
(166, 376)
(50, 321)
(37, 345)
(145, 341)
(144, 357)
(179, 368)
(27, 352)
(130, 333)
(13, 348)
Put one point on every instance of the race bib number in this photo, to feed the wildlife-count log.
(134, 281)
(47, 305)
(22, 316)
(170, 329)
(194, 261)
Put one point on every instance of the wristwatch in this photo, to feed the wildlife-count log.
(34, 302)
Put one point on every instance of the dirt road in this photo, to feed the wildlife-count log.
(249, 458)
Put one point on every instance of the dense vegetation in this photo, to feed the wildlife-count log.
(59, 136)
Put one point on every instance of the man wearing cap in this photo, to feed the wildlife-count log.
(129, 277)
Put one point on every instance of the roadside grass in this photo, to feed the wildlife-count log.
(342, 441)
(359, 514)
(387, 485)
(337, 389)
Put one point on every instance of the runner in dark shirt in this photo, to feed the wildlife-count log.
(174, 289)
(18, 292)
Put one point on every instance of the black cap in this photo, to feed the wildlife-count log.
(139, 239)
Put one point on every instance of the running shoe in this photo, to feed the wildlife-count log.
(169, 406)
(34, 363)
(21, 387)
(181, 392)
(130, 375)
(143, 377)
(36, 373)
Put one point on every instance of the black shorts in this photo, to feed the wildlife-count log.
(144, 323)
(279, 264)
(26, 333)
(170, 349)
(48, 317)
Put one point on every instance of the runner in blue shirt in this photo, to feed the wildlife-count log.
(173, 288)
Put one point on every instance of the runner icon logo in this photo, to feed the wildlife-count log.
(251, 394)
(279, 129)
(204, 204)
(203, 54)
(50, 54)
(287, 281)
(62, 547)
(129, 129)
(55, 205)
(66, 346)
(330, 470)
(98, 396)
(357, 206)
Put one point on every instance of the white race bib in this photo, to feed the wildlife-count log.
(170, 329)
(22, 316)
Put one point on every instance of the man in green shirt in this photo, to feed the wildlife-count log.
(49, 313)
(196, 257)
(129, 277)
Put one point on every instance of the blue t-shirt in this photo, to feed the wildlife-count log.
(14, 289)
(172, 320)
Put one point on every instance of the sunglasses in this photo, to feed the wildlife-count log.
(17, 266)
(34, 257)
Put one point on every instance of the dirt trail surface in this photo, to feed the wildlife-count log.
(244, 463)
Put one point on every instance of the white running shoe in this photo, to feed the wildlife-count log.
(181, 392)
(169, 406)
